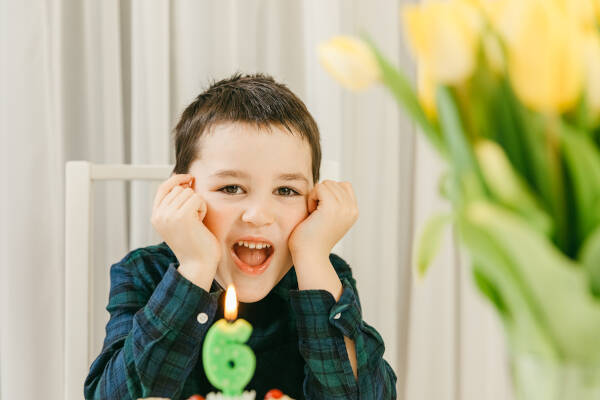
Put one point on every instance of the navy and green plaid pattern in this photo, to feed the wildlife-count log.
(153, 338)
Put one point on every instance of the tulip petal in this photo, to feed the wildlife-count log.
(509, 188)
(444, 37)
(545, 51)
(426, 90)
(593, 74)
(404, 94)
(350, 61)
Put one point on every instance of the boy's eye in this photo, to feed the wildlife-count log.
(228, 187)
(290, 191)
(287, 192)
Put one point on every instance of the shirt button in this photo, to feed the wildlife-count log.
(202, 318)
(337, 316)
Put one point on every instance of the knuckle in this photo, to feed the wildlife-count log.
(193, 197)
(197, 198)
(178, 215)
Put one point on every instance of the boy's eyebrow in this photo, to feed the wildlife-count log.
(234, 173)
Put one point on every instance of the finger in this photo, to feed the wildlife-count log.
(342, 192)
(346, 203)
(347, 188)
(338, 195)
(195, 204)
(312, 201)
(169, 184)
(181, 198)
(350, 190)
(172, 195)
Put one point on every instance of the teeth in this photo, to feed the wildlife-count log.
(252, 245)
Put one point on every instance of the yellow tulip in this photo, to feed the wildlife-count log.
(545, 53)
(426, 90)
(508, 186)
(444, 36)
(502, 179)
(583, 11)
(350, 61)
(592, 53)
(492, 49)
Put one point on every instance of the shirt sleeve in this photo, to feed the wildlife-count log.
(152, 339)
(322, 324)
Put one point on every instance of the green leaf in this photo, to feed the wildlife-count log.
(590, 258)
(583, 163)
(489, 289)
(523, 136)
(512, 131)
(526, 332)
(427, 246)
(508, 187)
(403, 92)
(546, 173)
(552, 311)
(467, 173)
(581, 115)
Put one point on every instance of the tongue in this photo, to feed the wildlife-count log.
(252, 257)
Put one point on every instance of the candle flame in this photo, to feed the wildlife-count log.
(230, 304)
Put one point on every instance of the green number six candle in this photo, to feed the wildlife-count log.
(228, 363)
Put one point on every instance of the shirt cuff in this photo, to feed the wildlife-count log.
(322, 315)
(182, 306)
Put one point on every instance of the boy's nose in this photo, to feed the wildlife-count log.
(257, 216)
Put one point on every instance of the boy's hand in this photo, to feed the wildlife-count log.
(333, 210)
(177, 216)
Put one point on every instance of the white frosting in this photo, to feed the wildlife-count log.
(251, 395)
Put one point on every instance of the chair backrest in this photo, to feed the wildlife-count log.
(80, 175)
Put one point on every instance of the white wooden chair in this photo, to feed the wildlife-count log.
(80, 175)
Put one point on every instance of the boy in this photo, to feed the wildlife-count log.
(243, 206)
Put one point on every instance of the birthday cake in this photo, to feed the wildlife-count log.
(273, 394)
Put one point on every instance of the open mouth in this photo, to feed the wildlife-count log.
(252, 261)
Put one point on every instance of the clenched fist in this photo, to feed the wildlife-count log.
(177, 215)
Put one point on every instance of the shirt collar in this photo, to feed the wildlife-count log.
(287, 283)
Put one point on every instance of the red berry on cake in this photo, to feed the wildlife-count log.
(276, 394)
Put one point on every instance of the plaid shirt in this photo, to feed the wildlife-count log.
(158, 320)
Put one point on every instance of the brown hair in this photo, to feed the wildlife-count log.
(256, 99)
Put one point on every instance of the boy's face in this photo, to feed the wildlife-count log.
(260, 204)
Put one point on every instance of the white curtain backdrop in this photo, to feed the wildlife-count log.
(105, 81)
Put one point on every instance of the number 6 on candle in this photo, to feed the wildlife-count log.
(228, 363)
